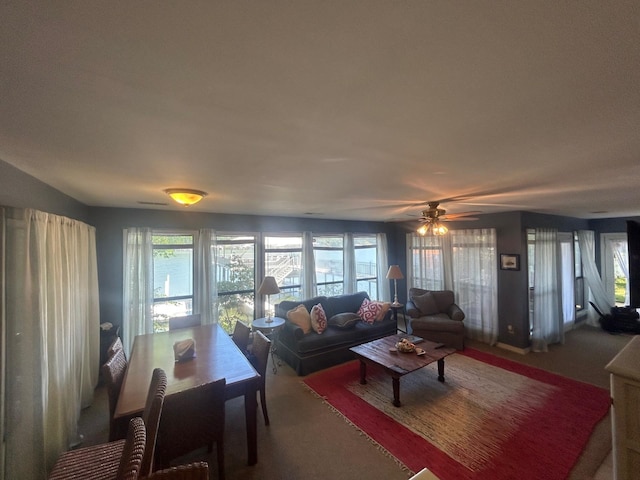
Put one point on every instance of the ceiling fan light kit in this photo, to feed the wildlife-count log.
(433, 217)
(435, 228)
(185, 196)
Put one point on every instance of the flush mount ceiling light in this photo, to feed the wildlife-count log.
(185, 196)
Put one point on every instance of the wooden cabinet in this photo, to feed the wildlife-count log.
(625, 410)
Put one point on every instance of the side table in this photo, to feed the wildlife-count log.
(270, 330)
(399, 307)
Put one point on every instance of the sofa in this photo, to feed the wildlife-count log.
(434, 315)
(307, 351)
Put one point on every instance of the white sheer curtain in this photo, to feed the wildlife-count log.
(138, 281)
(567, 275)
(309, 285)
(586, 239)
(350, 274)
(472, 261)
(548, 325)
(205, 288)
(137, 315)
(382, 262)
(425, 263)
(51, 342)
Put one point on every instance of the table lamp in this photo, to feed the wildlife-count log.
(395, 274)
(268, 287)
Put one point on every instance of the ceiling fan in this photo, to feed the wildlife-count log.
(432, 217)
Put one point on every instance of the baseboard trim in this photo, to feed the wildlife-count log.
(511, 348)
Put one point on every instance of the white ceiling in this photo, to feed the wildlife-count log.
(346, 109)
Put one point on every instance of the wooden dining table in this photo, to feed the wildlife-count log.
(216, 356)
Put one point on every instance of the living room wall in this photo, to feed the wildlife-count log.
(18, 189)
(110, 223)
(513, 286)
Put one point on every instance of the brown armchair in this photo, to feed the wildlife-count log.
(435, 316)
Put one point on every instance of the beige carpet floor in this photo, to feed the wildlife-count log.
(306, 439)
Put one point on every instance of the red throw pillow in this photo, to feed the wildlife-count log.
(318, 318)
(369, 310)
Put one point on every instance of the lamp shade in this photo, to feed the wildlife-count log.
(268, 286)
(394, 273)
(185, 196)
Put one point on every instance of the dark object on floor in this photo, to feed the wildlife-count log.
(620, 320)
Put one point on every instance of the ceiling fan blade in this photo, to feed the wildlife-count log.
(451, 216)
(461, 219)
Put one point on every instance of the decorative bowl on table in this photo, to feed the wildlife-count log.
(405, 346)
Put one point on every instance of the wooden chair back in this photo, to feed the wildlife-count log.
(191, 419)
(151, 416)
(241, 336)
(185, 321)
(260, 359)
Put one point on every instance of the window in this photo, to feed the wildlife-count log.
(328, 253)
(283, 261)
(426, 267)
(571, 290)
(235, 277)
(471, 259)
(172, 277)
(579, 282)
(614, 261)
(366, 256)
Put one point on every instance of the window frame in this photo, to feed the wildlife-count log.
(316, 248)
(251, 239)
(369, 279)
(163, 325)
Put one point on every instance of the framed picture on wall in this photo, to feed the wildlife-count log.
(509, 261)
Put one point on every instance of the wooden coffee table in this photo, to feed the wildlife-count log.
(397, 364)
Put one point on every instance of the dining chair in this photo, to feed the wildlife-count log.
(95, 456)
(115, 346)
(120, 460)
(113, 372)
(191, 471)
(180, 433)
(240, 336)
(260, 359)
(185, 321)
(151, 415)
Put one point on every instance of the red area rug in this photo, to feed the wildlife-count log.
(492, 418)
